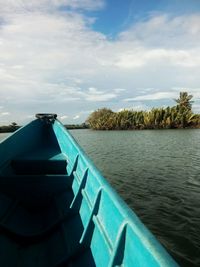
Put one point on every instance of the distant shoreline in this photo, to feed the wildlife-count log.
(7, 129)
(11, 128)
(76, 126)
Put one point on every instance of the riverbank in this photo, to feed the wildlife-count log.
(11, 129)
(76, 126)
(8, 128)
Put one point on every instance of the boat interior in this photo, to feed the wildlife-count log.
(56, 211)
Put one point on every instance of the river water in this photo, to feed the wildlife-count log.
(157, 172)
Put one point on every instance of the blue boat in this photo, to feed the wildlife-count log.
(57, 210)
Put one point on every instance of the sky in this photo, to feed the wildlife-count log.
(72, 57)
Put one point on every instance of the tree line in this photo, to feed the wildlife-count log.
(178, 116)
(9, 128)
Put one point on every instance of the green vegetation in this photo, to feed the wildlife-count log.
(9, 128)
(179, 116)
(76, 126)
(13, 127)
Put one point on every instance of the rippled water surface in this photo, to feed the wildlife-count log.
(157, 173)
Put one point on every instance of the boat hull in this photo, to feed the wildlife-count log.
(58, 210)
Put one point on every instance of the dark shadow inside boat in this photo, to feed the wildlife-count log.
(39, 226)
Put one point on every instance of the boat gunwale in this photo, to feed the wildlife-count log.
(130, 218)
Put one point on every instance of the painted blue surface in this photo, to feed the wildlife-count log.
(55, 202)
(113, 218)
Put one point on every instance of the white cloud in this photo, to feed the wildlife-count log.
(98, 96)
(15, 6)
(54, 61)
(4, 113)
(166, 31)
(136, 107)
(76, 117)
(160, 56)
(63, 117)
(155, 96)
(162, 40)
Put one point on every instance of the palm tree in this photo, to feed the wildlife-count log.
(184, 108)
(184, 101)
